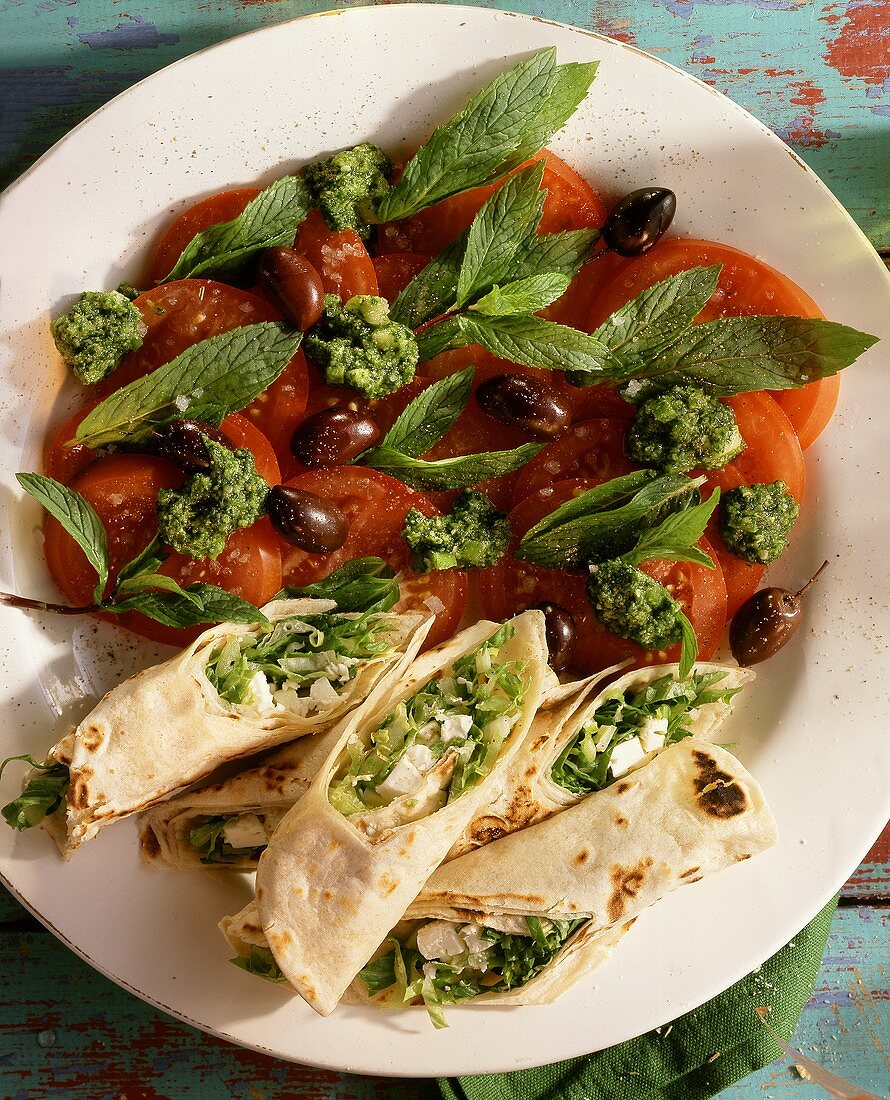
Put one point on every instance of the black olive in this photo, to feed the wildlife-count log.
(639, 220)
(532, 405)
(559, 628)
(182, 442)
(766, 622)
(293, 284)
(333, 437)
(306, 520)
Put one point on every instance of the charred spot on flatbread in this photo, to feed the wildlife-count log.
(626, 883)
(581, 858)
(149, 843)
(690, 871)
(623, 787)
(79, 791)
(387, 884)
(487, 829)
(92, 738)
(743, 857)
(718, 792)
(620, 821)
(539, 742)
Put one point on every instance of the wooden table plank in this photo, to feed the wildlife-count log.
(99, 1042)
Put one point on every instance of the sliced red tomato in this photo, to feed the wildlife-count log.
(341, 258)
(396, 270)
(747, 286)
(772, 453)
(123, 490)
(222, 207)
(571, 203)
(810, 408)
(592, 449)
(376, 506)
(512, 586)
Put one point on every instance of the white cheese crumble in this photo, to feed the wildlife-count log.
(245, 832)
(652, 734)
(625, 756)
(440, 940)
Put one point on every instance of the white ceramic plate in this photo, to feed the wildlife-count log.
(813, 728)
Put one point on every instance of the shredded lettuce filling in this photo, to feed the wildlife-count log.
(209, 838)
(43, 794)
(300, 664)
(260, 962)
(465, 715)
(654, 717)
(499, 962)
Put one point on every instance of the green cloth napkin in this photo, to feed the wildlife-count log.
(695, 1057)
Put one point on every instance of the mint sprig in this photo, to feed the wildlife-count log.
(363, 584)
(503, 125)
(525, 295)
(208, 381)
(675, 538)
(421, 425)
(139, 585)
(271, 219)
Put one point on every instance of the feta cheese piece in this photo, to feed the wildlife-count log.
(439, 939)
(652, 734)
(625, 756)
(290, 699)
(473, 938)
(323, 692)
(259, 695)
(405, 778)
(421, 757)
(455, 727)
(246, 831)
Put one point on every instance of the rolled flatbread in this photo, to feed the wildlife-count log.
(169, 726)
(393, 797)
(530, 792)
(225, 826)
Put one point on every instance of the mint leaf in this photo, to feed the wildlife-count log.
(743, 354)
(605, 522)
(562, 253)
(473, 147)
(532, 342)
(363, 584)
(522, 296)
(654, 319)
(272, 218)
(443, 336)
(433, 290)
(675, 537)
(147, 560)
(507, 219)
(688, 645)
(209, 380)
(508, 121)
(430, 415)
(461, 472)
(148, 581)
(191, 606)
(77, 516)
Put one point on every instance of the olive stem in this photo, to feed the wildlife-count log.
(812, 579)
(39, 605)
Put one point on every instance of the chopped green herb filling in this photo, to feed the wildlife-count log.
(346, 186)
(359, 345)
(756, 520)
(260, 962)
(301, 664)
(633, 605)
(625, 729)
(481, 960)
(464, 715)
(210, 839)
(472, 536)
(198, 518)
(43, 795)
(684, 429)
(96, 333)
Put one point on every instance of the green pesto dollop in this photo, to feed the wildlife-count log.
(358, 345)
(756, 520)
(682, 429)
(198, 518)
(346, 186)
(472, 536)
(631, 604)
(95, 334)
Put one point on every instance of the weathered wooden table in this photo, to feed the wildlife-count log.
(817, 73)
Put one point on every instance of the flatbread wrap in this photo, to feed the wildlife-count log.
(591, 738)
(234, 691)
(406, 777)
(226, 826)
(519, 920)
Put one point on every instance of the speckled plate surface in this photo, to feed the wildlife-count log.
(813, 727)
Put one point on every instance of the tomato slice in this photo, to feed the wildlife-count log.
(571, 203)
(810, 408)
(341, 258)
(221, 207)
(376, 506)
(123, 490)
(591, 449)
(396, 270)
(747, 286)
(512, 586)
